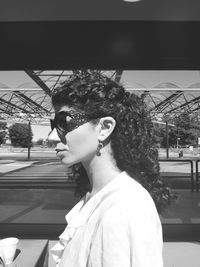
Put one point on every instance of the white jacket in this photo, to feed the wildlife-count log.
(118, 227)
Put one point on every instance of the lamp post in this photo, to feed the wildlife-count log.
(167, 124)
(177, 144)
(167, 140)
(29, 139)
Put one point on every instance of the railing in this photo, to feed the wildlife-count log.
(57, 181)
(39, 183)
(191, 168)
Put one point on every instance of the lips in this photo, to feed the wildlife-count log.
(60, 150)
(60, 153)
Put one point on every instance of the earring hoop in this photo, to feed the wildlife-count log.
(100, 146)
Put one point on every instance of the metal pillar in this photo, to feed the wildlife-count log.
(167, 140)
(29, 137)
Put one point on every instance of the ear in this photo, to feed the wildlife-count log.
(107, 125)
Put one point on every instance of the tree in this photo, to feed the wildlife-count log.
(51, 143)
(20, 135)
(185, 131)
(40, 142)
(3, 131)
(159, 134)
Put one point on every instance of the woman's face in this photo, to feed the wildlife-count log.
(80, 140)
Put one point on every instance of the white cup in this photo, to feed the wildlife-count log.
(8, 248)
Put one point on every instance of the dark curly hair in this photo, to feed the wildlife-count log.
(132, 142)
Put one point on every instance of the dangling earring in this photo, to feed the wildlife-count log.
(100, 146)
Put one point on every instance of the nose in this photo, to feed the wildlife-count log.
(53, 136)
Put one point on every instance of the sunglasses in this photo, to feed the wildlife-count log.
(67, 121)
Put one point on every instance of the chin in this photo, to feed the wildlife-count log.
(67, 162)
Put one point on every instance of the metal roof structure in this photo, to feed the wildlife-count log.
(33, 101)
(103, 10)
(168, 103)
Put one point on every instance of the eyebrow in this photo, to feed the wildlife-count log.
(67, 113)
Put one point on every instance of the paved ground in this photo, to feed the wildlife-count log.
(33, 170)
(12, 161)
(51, 205)
(13, 165)
(42, 205)
(46, 165)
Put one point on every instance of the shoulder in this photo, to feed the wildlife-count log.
(133, 196)
(132, 205)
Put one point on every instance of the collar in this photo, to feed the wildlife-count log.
(82, 211)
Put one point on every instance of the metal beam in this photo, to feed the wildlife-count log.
(59, 76)
(30, 101)
(118, 75)
(4, 112)
(195, 109)
(12, 105)
(185, 104)
(32, 90)
(39, 82)
(168, 100)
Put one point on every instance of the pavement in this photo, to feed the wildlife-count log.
(41, 205)
(184, 210)
(51, 205)
(7, 166)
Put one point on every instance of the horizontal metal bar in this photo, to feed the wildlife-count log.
(22, 90)
(127, 88)
(162, 89)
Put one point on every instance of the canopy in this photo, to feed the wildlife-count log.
(31, 99)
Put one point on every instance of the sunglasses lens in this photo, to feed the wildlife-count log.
(52, 124)
(61, 133)
(64, 122)
(60, 121)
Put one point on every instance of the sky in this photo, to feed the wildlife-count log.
(145, 79)
(149, 79)
(40, 131)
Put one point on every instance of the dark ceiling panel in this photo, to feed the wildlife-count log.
(62, 10)
(132, 45)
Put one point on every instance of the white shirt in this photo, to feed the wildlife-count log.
(118, 227)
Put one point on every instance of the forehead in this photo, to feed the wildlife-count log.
(59, 108)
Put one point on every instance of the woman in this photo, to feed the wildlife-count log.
(107, 130)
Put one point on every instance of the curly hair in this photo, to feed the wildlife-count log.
(132, 141)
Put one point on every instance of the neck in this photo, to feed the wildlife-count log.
(101, 170)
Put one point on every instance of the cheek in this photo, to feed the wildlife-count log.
(82, 141)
